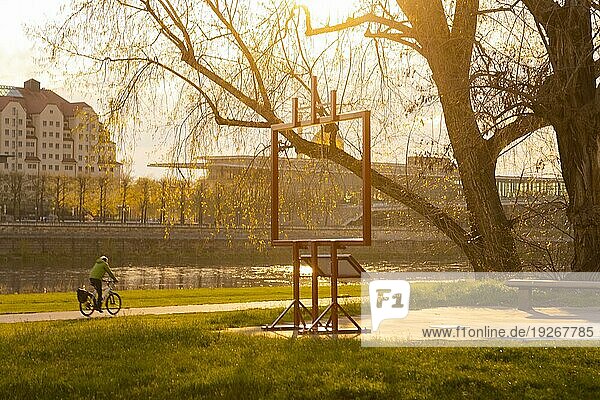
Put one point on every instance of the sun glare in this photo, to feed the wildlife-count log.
(332, 11)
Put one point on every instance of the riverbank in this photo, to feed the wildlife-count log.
(74, 245)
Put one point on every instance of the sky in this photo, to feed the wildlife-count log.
(16, 50)
(18, 64)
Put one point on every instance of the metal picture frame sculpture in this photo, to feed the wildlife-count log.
(352, 267)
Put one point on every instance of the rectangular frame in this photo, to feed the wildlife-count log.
(276, 129)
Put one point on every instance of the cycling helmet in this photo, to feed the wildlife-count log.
(104, 258)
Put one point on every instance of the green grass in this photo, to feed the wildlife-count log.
(46, 302)
(184, 356)
(423, 295)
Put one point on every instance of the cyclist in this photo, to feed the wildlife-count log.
(98, 270)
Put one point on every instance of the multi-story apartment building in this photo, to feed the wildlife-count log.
(42, 133)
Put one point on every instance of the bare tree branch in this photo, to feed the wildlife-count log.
(395, 37)
(353, 22)
(522, 126)
(541, 9)
(435, 215)
(246, 51)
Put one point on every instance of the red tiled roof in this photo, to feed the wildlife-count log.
(4, 100)
(36, 101)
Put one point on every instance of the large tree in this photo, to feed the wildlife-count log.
(242, 66)
(569, 99)
(555, 78)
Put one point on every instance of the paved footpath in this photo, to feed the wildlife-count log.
(201, 308)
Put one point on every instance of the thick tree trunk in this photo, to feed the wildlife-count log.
(580, 159)
(477, 167)
(569, 101)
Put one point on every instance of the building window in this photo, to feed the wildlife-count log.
(20, 132)
(51, 134)
(6, 132)
(79, 168)
(50, 155)
(20, 155)
(43, 145)
(20, 144)
(58, 124)
(20, 166)
(6, 143)
(57, 157)
(43, 134)
(80, 147)
(51, 123)
(44, 123)
(43, 167)
(43, 156)
(51, 145)
(80, 158)
(7, 121)
(51, 111)
(57, 134)
(20, 121)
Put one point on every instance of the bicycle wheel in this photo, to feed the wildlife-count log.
(87, 307)
(113, 303)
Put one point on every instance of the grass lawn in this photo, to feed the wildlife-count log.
(423, 294)
(186, 356)
(45, 302)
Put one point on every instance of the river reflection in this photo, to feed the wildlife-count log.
(40, 280)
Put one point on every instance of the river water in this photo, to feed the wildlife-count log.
(41, 280)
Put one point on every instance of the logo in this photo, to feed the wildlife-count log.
(389, 300)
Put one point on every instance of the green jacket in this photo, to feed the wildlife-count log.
(99, 269)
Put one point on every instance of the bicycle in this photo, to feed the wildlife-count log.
(87, 299)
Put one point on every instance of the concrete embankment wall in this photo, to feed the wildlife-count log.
(73, 245)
